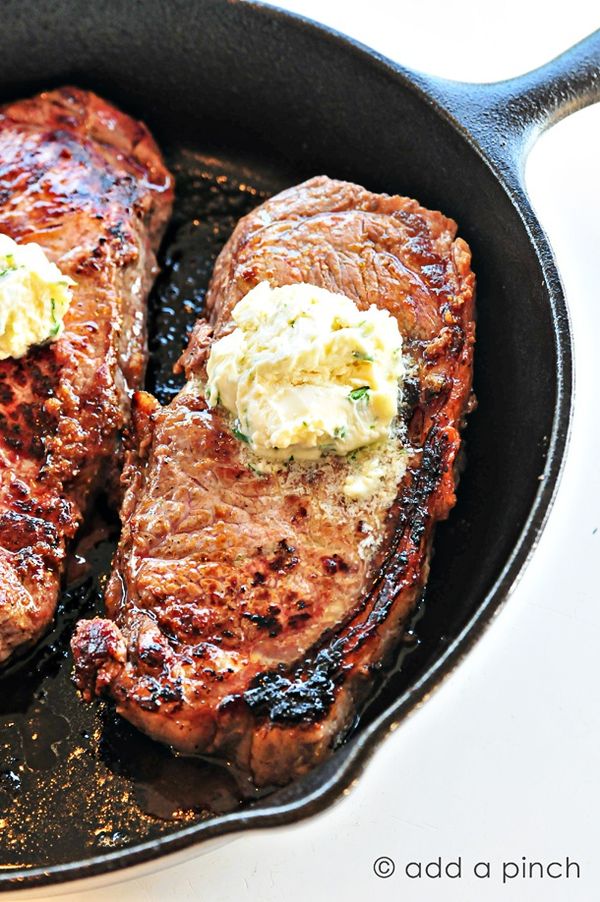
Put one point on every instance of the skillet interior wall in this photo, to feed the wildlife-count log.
(213, 74)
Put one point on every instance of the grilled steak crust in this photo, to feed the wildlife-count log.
(248, 612)
(88, 184)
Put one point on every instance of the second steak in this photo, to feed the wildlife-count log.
(88, 184)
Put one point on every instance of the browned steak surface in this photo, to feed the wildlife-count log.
(88, 184)
(247, 611)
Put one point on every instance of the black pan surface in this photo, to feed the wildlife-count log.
(245, 101)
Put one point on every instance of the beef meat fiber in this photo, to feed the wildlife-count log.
(247, 612)
(88, 184)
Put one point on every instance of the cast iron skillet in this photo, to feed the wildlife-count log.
(246, 99)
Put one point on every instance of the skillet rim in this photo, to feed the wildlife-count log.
(347, 764)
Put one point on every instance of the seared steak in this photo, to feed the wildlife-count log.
(88, 184)
(247, 612)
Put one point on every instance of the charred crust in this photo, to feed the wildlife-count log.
(285, 559)
(95, 644)
(20, 533)
(268, 622)
(334, 564)
(300, 514)
(152, 654)
(410, 393)
(153, 693)
(297, 620)
(306, 696)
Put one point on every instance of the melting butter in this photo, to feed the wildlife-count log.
(305, 372)
(34, 297)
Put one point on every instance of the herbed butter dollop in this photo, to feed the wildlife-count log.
(305, 372)
(34, 297)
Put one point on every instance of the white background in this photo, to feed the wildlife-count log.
(503, 760)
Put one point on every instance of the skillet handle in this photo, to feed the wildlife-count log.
(506, 117)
